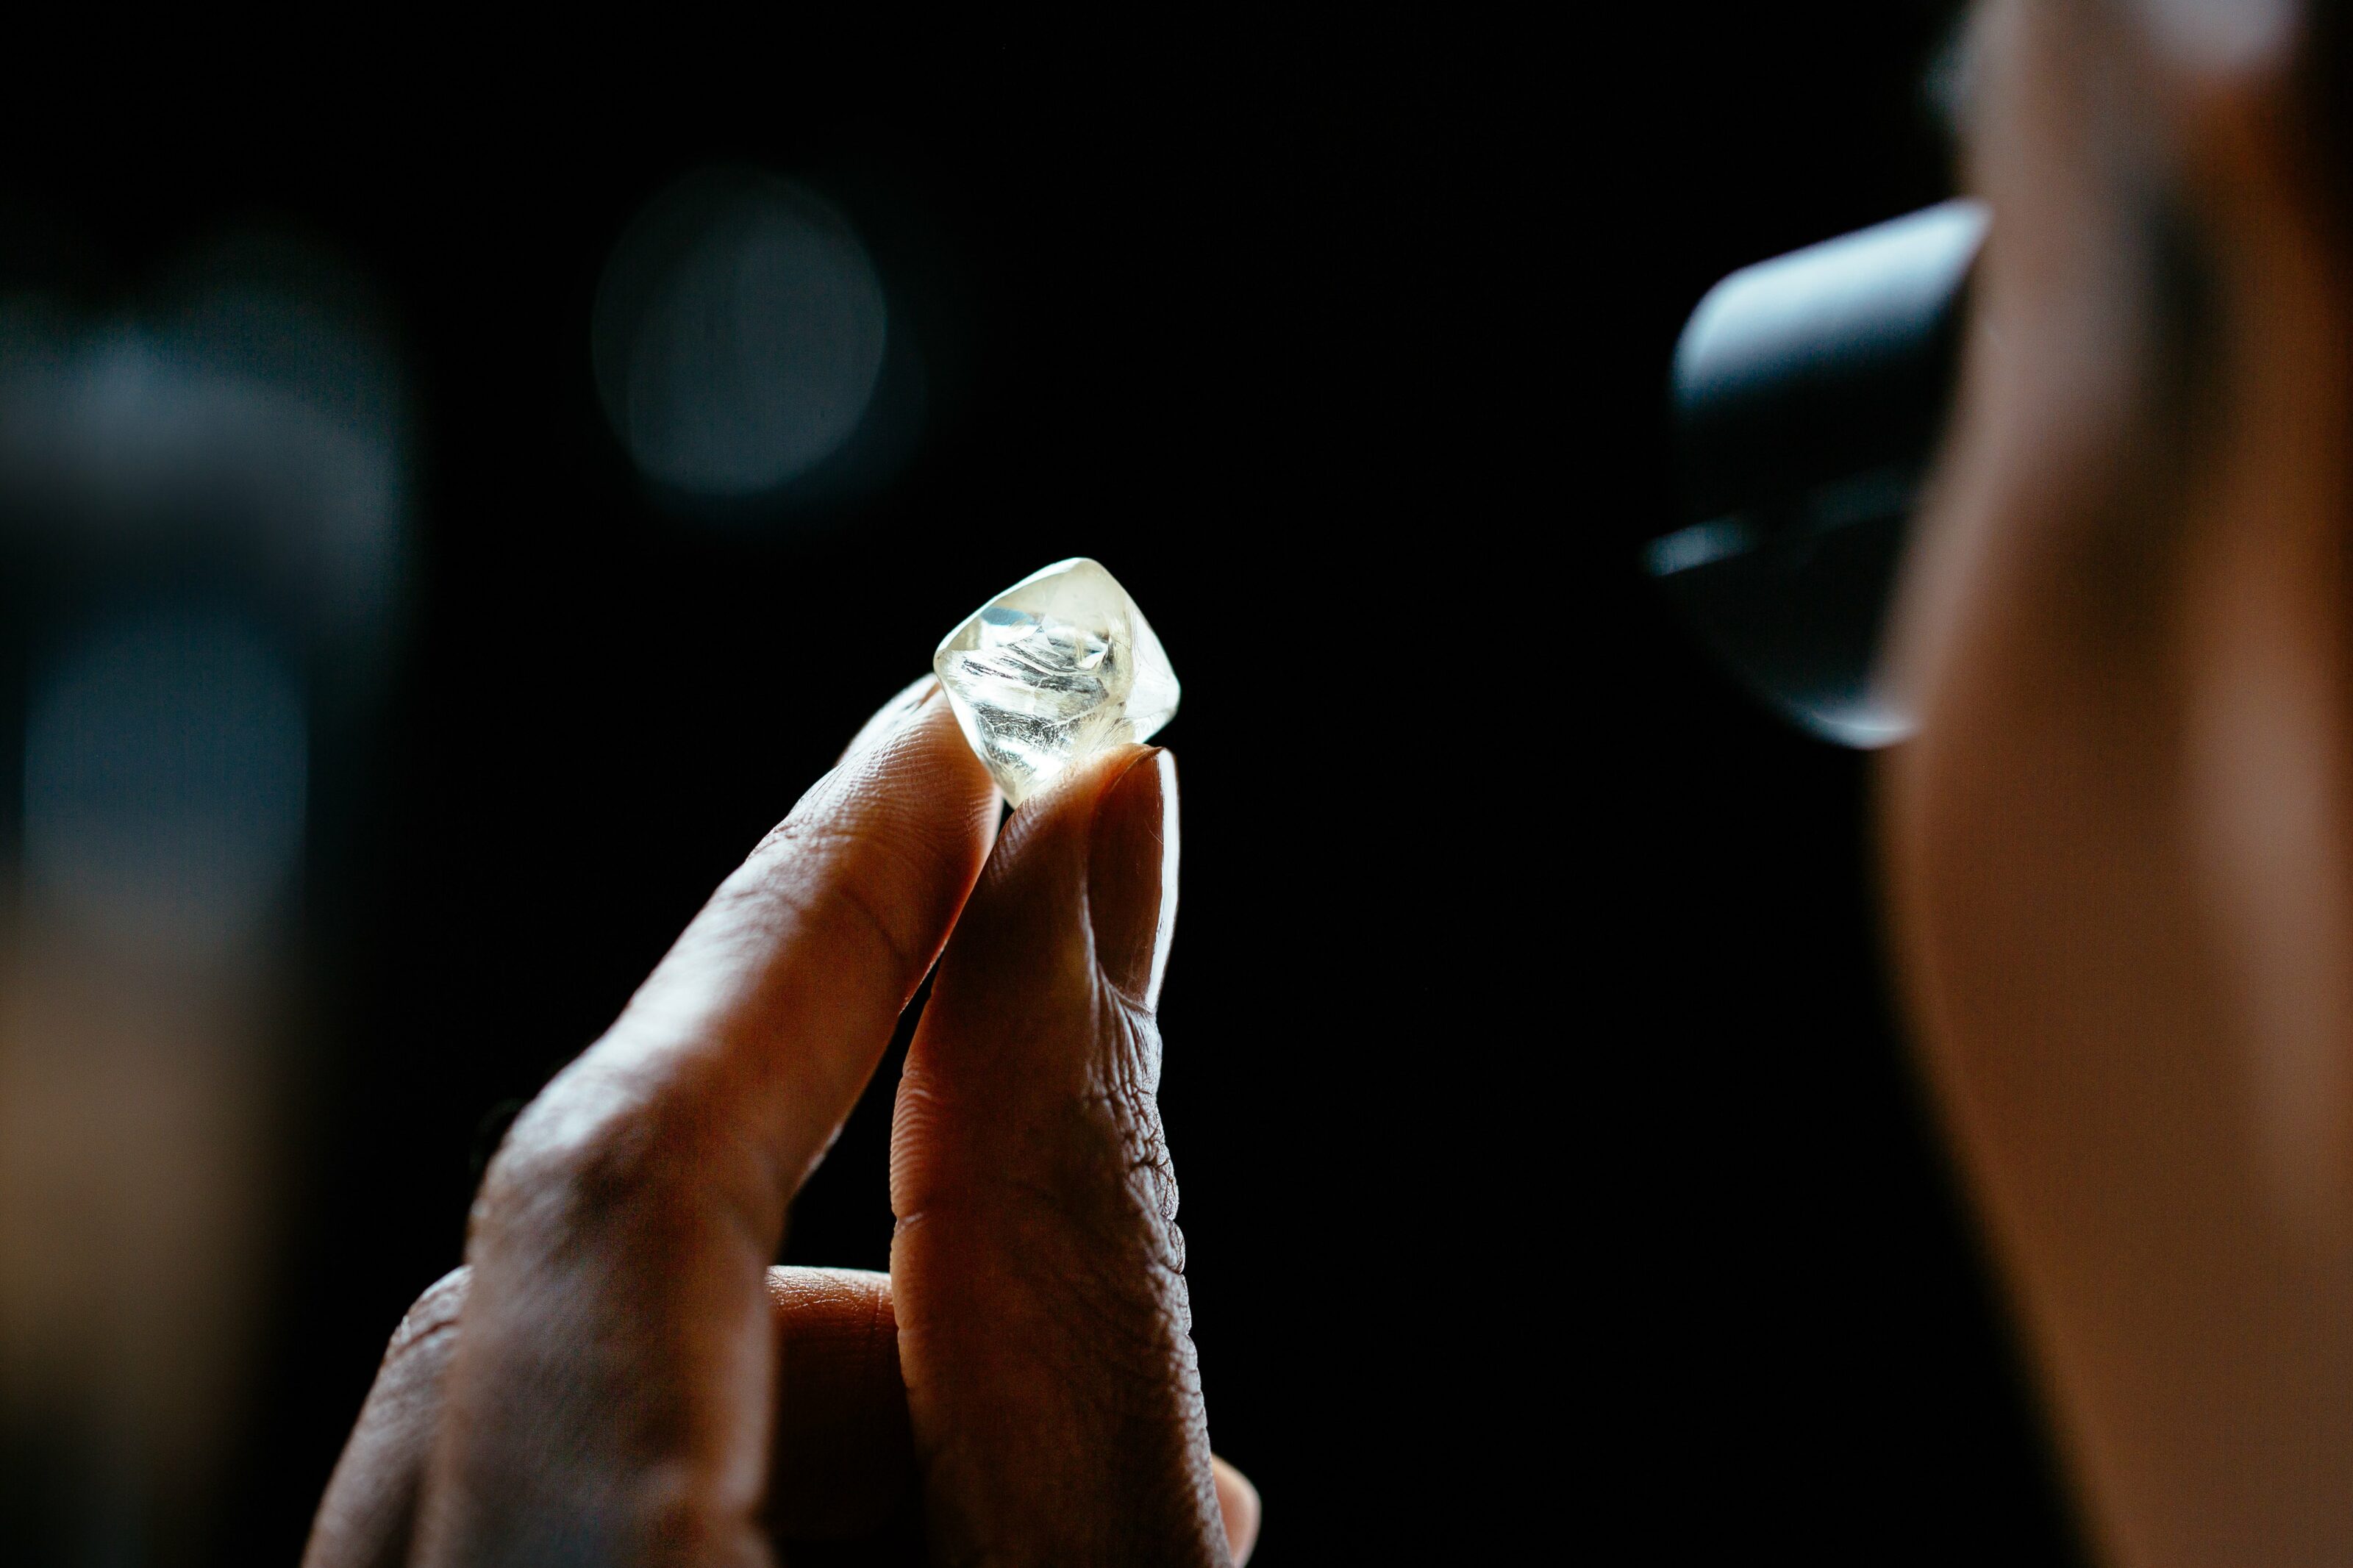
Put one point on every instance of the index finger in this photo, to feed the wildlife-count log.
(609, 1396)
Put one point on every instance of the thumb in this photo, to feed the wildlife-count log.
(1037, 1270)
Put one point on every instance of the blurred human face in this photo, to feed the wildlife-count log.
(2121, 849)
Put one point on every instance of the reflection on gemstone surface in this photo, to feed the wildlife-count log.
(1053, 669)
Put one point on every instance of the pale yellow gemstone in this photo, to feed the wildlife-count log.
(1052, 671)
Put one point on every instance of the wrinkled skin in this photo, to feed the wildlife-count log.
(619, 1376)
(2122, 847)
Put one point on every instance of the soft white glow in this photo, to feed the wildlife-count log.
(739, 334)
(1886, 281)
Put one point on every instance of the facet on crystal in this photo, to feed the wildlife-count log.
(1053, 669)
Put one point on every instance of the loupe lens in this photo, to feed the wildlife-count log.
(1810, 391)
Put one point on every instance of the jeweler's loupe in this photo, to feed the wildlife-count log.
(1810, 395)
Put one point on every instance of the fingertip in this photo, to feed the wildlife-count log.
(1065, 804)
(1238, 1501)
(830, 1302)
(841, 1454)
(1027, 929)
(911, 786)
(917, 731)
(891, 714)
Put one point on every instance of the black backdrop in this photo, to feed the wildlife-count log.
(1549, 1162)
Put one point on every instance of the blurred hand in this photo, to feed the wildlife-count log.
(619, 1376)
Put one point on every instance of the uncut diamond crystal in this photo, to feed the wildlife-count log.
(1052, 671)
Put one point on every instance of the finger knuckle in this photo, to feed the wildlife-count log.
(584, 1150)
(1123, 1138)
(1113, 1202)
(431, 1318)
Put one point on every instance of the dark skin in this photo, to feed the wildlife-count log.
(2121, 863)
(619, 1375)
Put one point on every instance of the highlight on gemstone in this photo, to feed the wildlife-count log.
(1052, 671)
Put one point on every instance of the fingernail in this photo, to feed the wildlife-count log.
(1132, 876)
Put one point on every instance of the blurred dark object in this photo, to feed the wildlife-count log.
(201, 502)
(1810, 394)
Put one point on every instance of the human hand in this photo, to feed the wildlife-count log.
(619, 1376)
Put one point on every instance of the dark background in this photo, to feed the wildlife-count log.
(1550, 1162)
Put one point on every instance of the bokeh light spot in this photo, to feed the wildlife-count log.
(739, 332)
